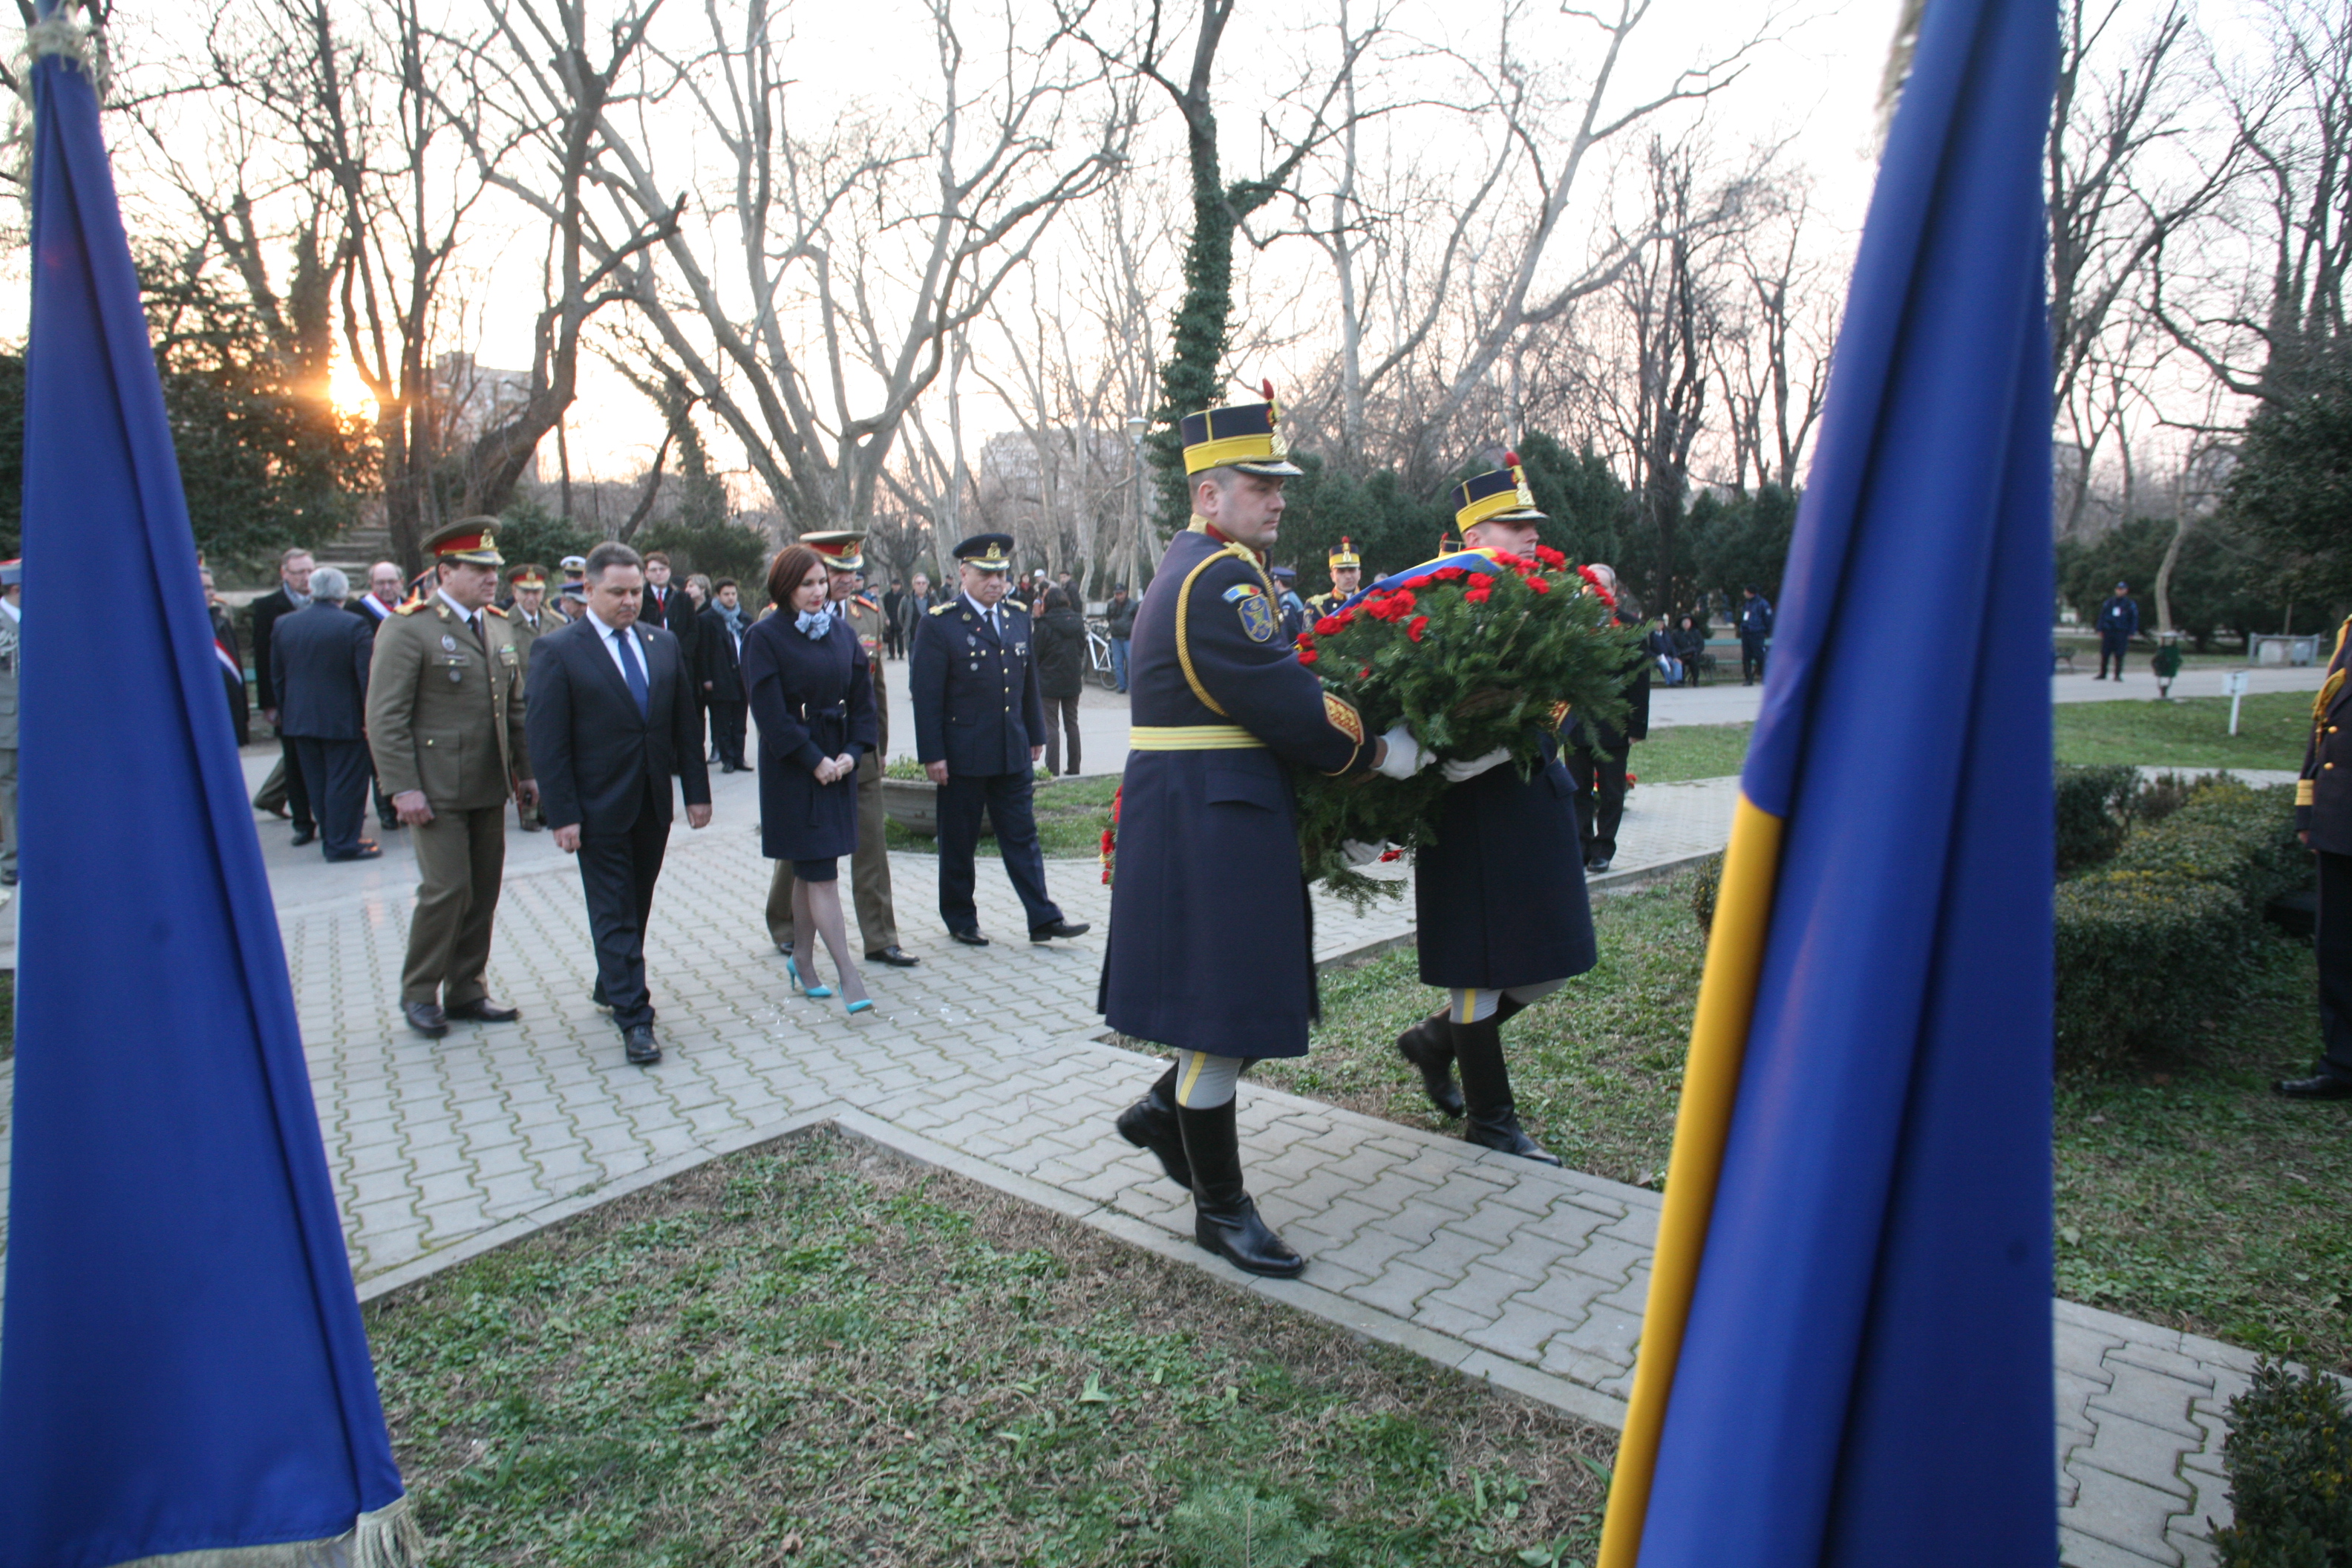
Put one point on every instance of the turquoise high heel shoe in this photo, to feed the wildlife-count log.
(813, 993)
(860, 1006)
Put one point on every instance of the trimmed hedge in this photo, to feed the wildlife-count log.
(2289, 1456)
(2094, 810)
(2151, 945)
(2152, 941)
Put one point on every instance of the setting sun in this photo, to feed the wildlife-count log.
(349, 393)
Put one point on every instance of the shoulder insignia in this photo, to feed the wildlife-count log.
(863, 602)
(495, 611)
(1259, 620)
(1559, 714)
(943, 609)
(1017, 604)
(411, 607)
(1343, 717)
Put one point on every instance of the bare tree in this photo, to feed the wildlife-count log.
(842, 263)
(1772, 352)
(545, 102)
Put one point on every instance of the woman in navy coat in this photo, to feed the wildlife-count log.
(805, 676)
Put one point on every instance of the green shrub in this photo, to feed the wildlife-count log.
(2160, 797)
(2152, 945)
(2093, 812)
(2289, 1456)
(1705, 881)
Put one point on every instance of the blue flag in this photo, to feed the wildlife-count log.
(1846, 1357)
(182, 1365)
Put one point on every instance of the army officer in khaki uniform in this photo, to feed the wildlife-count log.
(445, 721)
(842, 551)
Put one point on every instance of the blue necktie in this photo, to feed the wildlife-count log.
(635, 674)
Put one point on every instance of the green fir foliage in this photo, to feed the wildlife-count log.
(533, 535)
(2292, 488)
(2225, 580)
(1231, 1526)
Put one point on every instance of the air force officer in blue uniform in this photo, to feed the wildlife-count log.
(1209, 952)
(979, 721)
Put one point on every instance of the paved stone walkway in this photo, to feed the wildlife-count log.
(991, 1061)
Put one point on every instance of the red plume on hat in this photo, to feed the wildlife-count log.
(1511, 459)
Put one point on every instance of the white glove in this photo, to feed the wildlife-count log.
(1456, 772)
(1405, 757)
(1355, 852)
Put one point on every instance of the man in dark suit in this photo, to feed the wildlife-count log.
(609, 717)
(319, 669)
(978, 722)
(719, 664)
(281, 793)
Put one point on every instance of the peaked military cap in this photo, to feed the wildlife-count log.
(1499, 493)
(473, 540)
(527, 577)
(1345, 558)
(1247, 436)
(12, 572)
(840, 547)
(989, 552)
(1285, 574)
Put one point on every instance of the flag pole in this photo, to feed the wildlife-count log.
(1726, 1000)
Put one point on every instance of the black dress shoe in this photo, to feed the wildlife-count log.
(1059, 928)
(484, 1011)
(1428, 1048)
(785, 948)
(529, 825)
(426, 1018)
(893, 955)
(970, 938)
(391, 823)
(1597, 863)
(2321, 1086)
(305, 836)
(637, 1044)
(369, 849)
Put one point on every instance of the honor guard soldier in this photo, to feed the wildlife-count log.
(2323, 819)
(1347, 572)
(1499, 901)
(1209, 952)
(445, 707)
(979, 728)
(843, 553)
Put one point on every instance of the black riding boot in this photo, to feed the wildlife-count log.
(1428, 1045)
(1486, 1088)
(1224, 1221)
(1151, 1123)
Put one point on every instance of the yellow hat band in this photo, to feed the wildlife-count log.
(1494, 505)
(1255, 448)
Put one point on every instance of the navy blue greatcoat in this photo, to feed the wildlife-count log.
(812, 699)
(1500, 900)
(1211, 945)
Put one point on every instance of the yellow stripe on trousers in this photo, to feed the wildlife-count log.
(1727, 1003)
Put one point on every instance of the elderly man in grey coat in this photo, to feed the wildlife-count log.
(318, 665)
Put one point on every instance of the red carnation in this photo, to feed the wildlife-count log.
(1424, 580)
(1401, 603)
(1326, 625)
(1551, 557)
(1451, 573)
(1413, 628)
(1306, 653)
(1365, 673)
(1538, 584)
(1479, 594)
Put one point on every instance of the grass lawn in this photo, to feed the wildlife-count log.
(814, 1353)
(1071, 816)
(2273, 727)
(2193, 732)
(2187, 1194)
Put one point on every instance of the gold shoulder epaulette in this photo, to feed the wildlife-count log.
(865, 603)
(495, 611)
(943, 609)
(412, 606)
(1017, 604)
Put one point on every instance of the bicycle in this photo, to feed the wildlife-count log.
(1099, 665)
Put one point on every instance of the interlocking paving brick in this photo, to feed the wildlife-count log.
(2126, 1513)
(2155, 1397)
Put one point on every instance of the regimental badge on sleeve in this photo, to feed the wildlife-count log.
(1258, 613)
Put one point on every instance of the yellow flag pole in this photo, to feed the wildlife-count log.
(1726, 1000)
